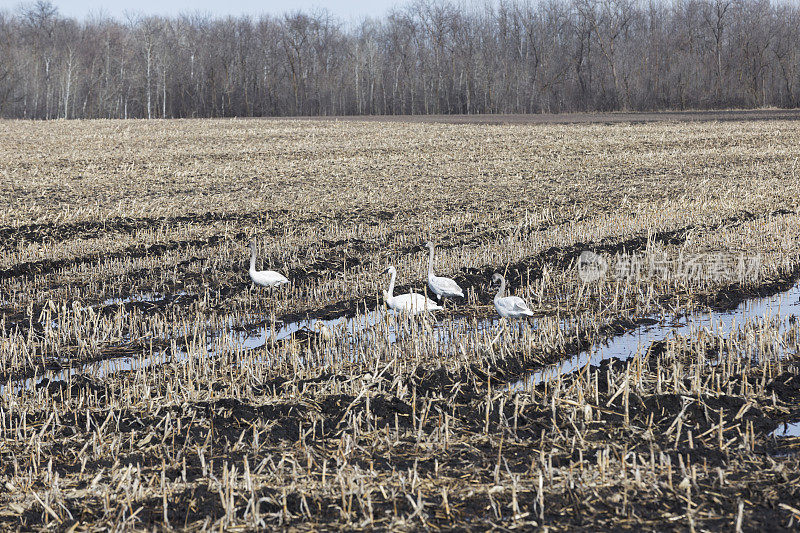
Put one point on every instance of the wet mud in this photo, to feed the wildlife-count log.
(689, 459)
(650, 442)
(334, 258)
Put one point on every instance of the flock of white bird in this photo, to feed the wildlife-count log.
(412, 303)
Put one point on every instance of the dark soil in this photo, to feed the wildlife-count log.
(357, 252)
(583, 118)
(416, 447)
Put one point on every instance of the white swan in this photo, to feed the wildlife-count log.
(265, 278)
(407, 303)
(509, 306)
(440, 286)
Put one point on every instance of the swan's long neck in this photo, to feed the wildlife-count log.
(430, 264)
(390, 292)
(502, 289)
(252, 259)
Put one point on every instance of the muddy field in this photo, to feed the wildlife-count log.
(616, 117)
(148, 384)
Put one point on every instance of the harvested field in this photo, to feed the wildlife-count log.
(148, 384)
(612, 117)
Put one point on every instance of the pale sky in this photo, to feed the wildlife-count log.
(346, 10)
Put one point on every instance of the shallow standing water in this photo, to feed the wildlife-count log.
(380, 324)
(779, 306)
(365, 328)
(787, 430)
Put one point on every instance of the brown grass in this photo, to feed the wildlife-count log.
(404, 424)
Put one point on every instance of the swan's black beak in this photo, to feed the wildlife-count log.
(385, 271)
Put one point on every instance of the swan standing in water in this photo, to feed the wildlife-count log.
(509, 306)
(407, 303)
(441, 287)
(265, 278)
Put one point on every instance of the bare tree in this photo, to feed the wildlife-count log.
(428, 56)
(715, 16)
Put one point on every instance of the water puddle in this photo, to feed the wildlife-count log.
(791, 429)
(627, 345)
(95, 370)
(350, 334)
(362, 328)
(143, 297)
(251, 338)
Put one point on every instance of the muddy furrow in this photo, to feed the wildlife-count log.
(330, 256)
(505, 370)
(528, 269)
(39, 233)
(11, 236)
(42, 232)
(477, 278)
(46, 266)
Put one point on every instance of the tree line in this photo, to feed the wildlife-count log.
(428, 57)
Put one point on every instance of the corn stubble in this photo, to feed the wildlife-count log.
(123, 281)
